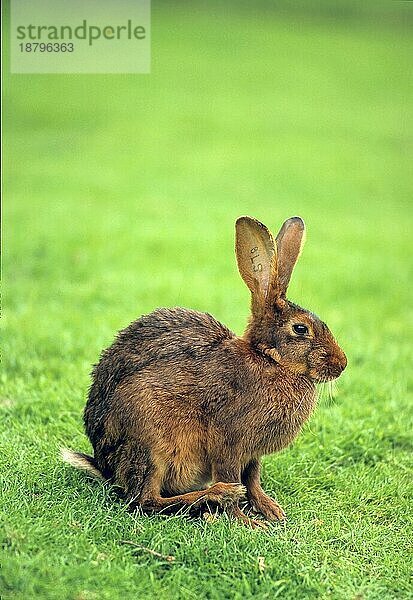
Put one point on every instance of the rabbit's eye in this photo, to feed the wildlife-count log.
(300, 328)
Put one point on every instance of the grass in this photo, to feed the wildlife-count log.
(121, 193)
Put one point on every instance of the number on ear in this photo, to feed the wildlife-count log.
(256, 256)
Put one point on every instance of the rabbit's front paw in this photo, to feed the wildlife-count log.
(268, 507)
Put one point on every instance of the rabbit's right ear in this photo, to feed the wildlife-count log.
(289, 242)
(256, 256)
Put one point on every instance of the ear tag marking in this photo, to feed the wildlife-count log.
(256, 266)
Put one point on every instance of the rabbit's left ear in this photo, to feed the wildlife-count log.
(257, 258)
(289, 242)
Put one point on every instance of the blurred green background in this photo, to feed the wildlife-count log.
(121, 193)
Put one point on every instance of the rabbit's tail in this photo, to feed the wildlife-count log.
(82, 461)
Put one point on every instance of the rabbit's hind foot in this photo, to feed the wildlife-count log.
(221, 494)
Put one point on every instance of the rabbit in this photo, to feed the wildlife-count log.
(181, 410)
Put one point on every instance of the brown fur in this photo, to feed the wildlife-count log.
(178, 401)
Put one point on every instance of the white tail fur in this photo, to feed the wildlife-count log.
(81, 461)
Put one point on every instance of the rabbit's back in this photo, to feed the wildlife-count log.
(162, 336)
(169, 333)
(162, 357)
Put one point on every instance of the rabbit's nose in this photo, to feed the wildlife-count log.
(339, 361)
(342, 360)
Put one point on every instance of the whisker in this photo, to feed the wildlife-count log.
(322, 396)
(327, 391)
(332, 392)
(323, 391)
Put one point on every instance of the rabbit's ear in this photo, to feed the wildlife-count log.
(289, 241)
(256, 256)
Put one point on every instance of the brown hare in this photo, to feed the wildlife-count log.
(181, 409)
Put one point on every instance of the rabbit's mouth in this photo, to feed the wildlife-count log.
(324, 378)
(329, 371)
(326, 364)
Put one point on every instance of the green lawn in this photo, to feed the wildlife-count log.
(121, 196)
